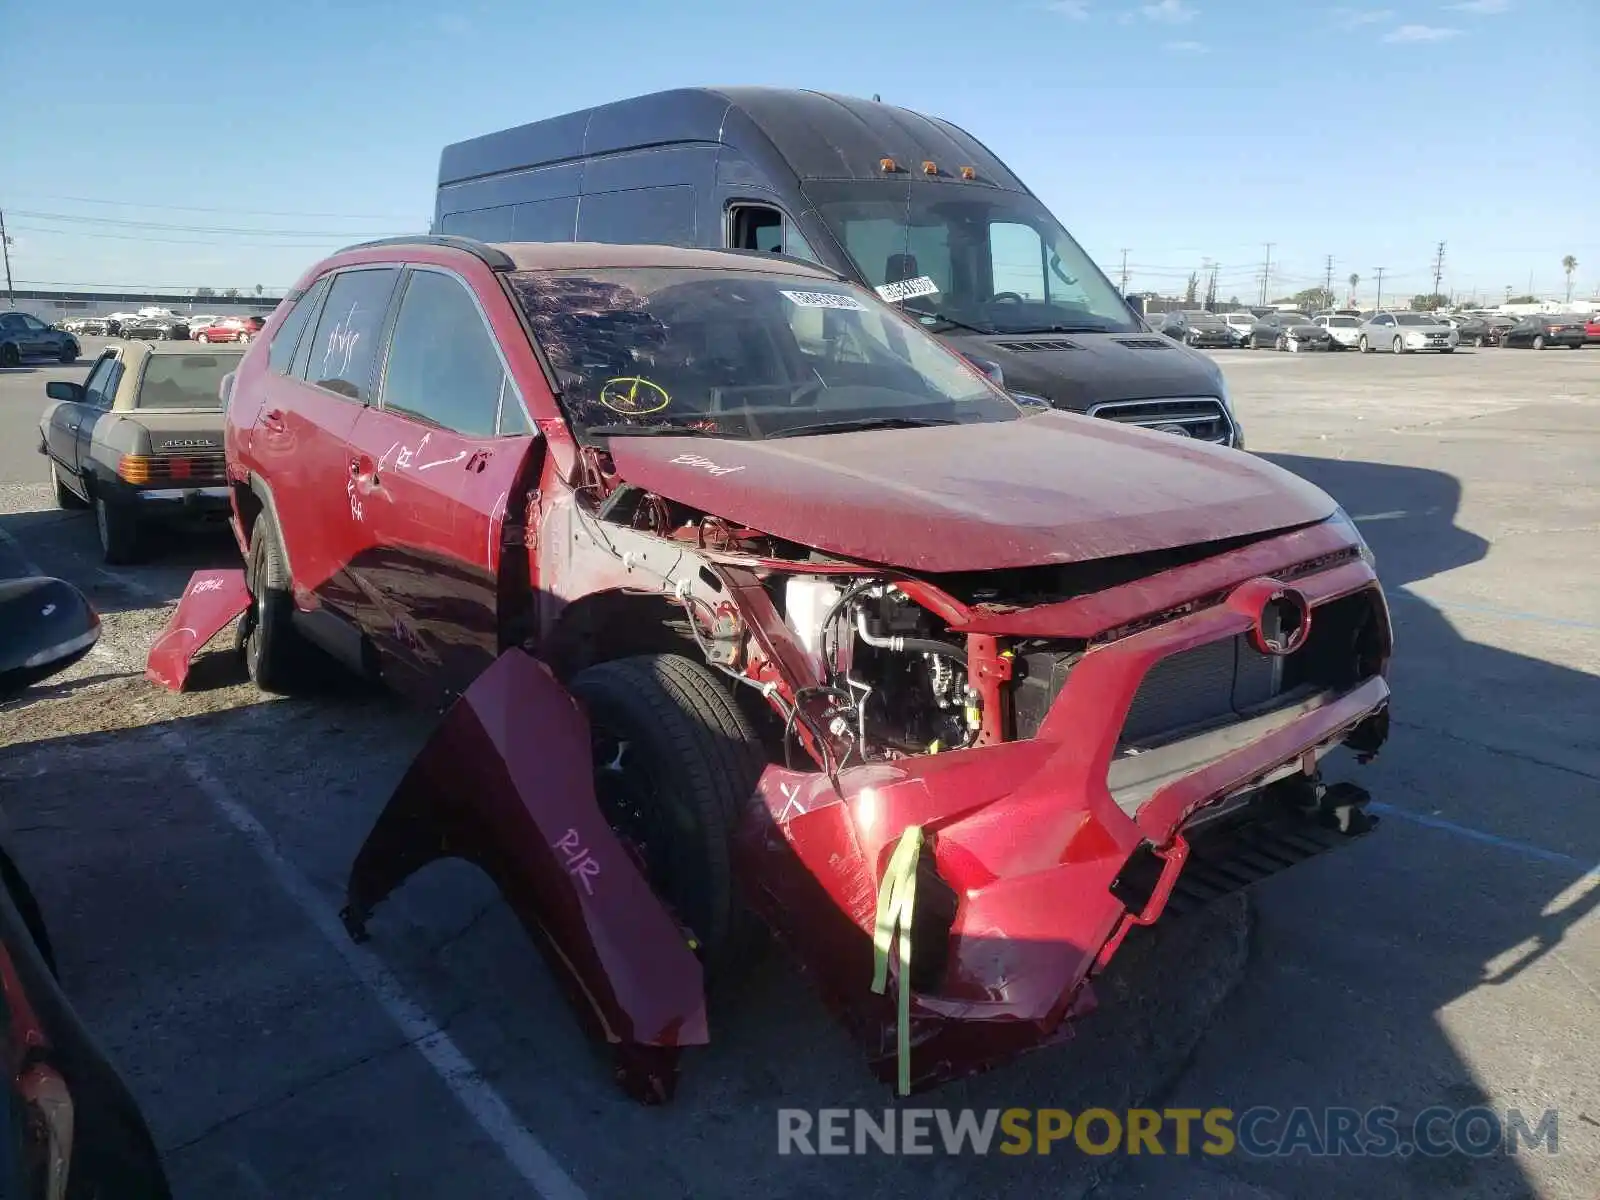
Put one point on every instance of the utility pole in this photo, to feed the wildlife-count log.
(5, 248)
(1438, 268)
(1327, 283)
(1123, 290)
(1266, 274)
(1378, 303)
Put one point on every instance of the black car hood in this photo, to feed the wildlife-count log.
(1079, 370)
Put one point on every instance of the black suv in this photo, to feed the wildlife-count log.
(23, 336)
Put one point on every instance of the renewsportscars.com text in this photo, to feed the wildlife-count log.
(1260, 1131)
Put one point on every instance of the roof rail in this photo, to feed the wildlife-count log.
(491, 257)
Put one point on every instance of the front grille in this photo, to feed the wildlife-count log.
(1222, 681)
(1202, 418)
(1037, 347)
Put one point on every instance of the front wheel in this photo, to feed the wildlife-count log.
(675, 762)
(1538, 341)
(69, 354)
(121, 540)
(243, 339)
(201, 337)
(1363, 345)
(1399, 346)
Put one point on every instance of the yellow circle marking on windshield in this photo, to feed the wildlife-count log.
(633, 396)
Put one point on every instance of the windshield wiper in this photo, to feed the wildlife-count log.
(1061, 329)
(657, 429)
(860, 423)
(944, 320)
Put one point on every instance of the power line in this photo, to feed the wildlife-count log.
(335, 239)
(253, 231)
(253, 212)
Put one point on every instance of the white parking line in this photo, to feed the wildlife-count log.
(482, 1102)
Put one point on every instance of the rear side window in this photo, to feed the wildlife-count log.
(443, 366)
(185, 380)
(662, 216)
(485, 224)
(280, 355)
(344, 349)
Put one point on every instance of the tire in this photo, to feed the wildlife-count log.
(276, 657)
(1447, 350)
(1294, 346)
(10, 356)
(69, 354)
(120, 535)
(1538, 341)
(1399, 345)
(243, 339)
(64, 496)
(201, 338)
(676, 762)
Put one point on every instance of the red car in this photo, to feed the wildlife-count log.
(229, 329)
(1591, 329)
(751, 601)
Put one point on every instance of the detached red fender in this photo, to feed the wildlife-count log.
(507, 783)
(211, 601)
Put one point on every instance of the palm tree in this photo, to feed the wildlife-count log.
(1354, 279)
(1569, 265)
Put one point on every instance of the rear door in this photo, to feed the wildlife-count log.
(431, 472)
(301, 435)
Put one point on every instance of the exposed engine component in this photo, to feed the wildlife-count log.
(907, 685)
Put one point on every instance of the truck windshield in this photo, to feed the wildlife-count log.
(640, 350)
(988, 259)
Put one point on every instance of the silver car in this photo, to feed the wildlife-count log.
(1405, 332)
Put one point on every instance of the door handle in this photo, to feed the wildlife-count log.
(272, 421)
(478, 460)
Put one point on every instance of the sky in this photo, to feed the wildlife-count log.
(237, 146)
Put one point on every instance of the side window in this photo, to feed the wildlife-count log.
(763, 228)
(108, 389)
(344, 348)
(280, 354)
(10, 323)
(658, 215)
(443, 366)
(1017, 256)
(95, 383)
(485, 224)
(32, 324)
(544, 221)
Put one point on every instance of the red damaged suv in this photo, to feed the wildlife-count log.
(751, 603)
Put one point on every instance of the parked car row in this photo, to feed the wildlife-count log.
(163, 325)
(1373, 331)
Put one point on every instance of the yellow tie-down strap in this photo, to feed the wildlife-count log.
(897, 898)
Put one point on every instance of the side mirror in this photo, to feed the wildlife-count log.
(46, 625)
(1029, 403)
(61, 389)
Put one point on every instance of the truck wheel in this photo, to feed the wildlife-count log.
(120, 535)
(64, 496)
(275, 655)
(675, 764)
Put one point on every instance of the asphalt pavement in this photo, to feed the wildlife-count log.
(189, 853)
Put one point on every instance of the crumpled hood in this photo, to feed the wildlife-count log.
(1052, 488)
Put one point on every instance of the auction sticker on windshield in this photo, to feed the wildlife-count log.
(907, 289)
(825, 300)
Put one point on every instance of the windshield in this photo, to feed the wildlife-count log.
(991, 260)
(185, 380)
(1415, 319)
(1343, 322)
(740, 354)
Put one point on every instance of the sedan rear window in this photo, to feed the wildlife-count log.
(185, 380)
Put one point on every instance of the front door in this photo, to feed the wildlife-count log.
(431, 473)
